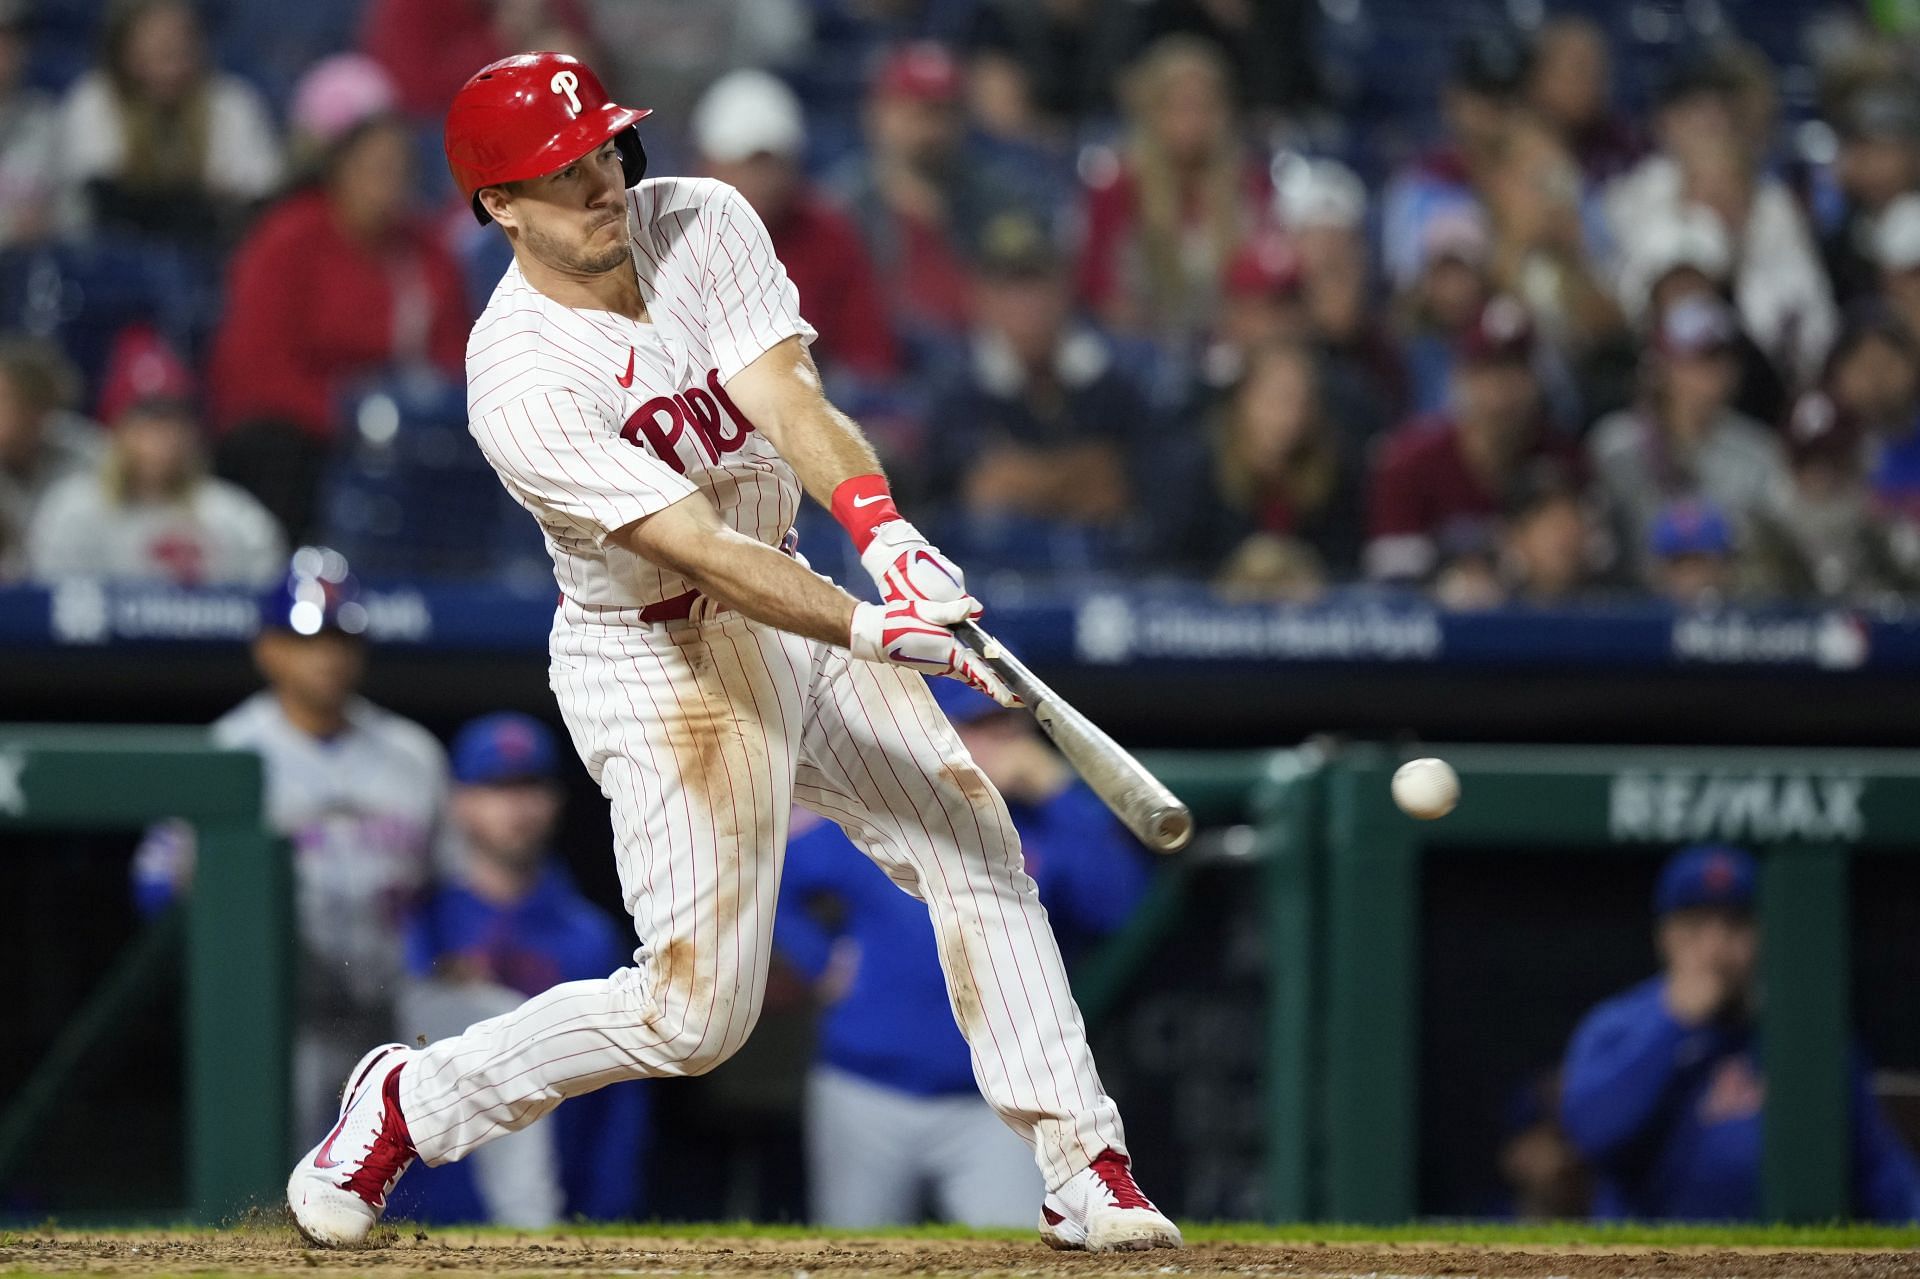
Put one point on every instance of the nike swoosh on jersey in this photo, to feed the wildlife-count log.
(626, 379)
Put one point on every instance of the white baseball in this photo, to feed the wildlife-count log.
(1426, 788)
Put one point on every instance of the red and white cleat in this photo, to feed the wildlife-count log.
(339, 1190)
(1101, 1210)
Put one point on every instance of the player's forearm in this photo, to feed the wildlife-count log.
(733, 569)
(781, 394)
(826, 449)
(759, 581)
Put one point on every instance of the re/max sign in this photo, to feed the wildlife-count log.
(1681, 805)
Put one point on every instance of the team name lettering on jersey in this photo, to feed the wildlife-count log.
(709, 415)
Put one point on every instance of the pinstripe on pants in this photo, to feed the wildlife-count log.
(702, 735)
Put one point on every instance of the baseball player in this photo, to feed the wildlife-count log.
(641, 382)
(359, 792)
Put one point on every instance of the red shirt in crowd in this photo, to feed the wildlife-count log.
(828, 263)
(1427, 503)
(1112, 213)
(431, 47)
(309, 308)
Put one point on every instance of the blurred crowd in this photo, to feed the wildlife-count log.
(1117, 286)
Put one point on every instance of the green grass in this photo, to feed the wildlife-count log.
(1550, 1234)
(1564, 1234)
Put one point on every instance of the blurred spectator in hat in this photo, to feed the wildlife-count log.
(919, 194)
(895, 1127)
(749, 133)
(1691, 558)
(1829, 541)
(1322, 206)
(1165, 213)
(1262, 300)
(1039, 419)
(1683, 438)
(1688, 255)
(337, 95)
(506, 923)
(29, 133)
(430, 47)
(1569, 86)
(1663, 1086)
(1547, 536)
(1439, 481)
(43, 441)
(1276, 465)
(1879, 161)
(150, 512)
(1442, 302)
(155, 139)
(339, 281)
(1708, 157)
(1478, 104)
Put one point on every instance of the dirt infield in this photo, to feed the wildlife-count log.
(269, 1251)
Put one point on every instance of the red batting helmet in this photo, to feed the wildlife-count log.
(530, 114)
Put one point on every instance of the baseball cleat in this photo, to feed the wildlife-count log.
(1100, 1209)
(339, 1190)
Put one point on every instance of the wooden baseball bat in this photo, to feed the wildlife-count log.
(1138, 798)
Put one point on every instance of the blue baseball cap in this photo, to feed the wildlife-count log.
(962, 703)
(319, 593)
(504, 747)
(1691, 528)
(1705, 875)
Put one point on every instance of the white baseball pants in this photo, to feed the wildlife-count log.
(702, 734)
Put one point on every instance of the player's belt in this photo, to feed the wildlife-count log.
(677, 609)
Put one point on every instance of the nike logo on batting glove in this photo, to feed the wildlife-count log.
(905, 566)
(915, 634)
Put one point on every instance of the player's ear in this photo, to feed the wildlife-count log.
(498, 203)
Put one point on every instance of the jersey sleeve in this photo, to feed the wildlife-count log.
(560, 452)
(751, 303)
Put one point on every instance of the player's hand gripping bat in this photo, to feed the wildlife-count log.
(1137, 797)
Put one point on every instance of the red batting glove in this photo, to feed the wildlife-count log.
(901, 562)
(915, 634)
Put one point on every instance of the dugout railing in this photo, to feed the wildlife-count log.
(238, 938)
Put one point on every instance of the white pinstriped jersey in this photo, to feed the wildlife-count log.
(594, 421)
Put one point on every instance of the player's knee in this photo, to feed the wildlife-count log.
(709, 1031)
(715, 1046)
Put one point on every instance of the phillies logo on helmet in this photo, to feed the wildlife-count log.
(533, 114)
